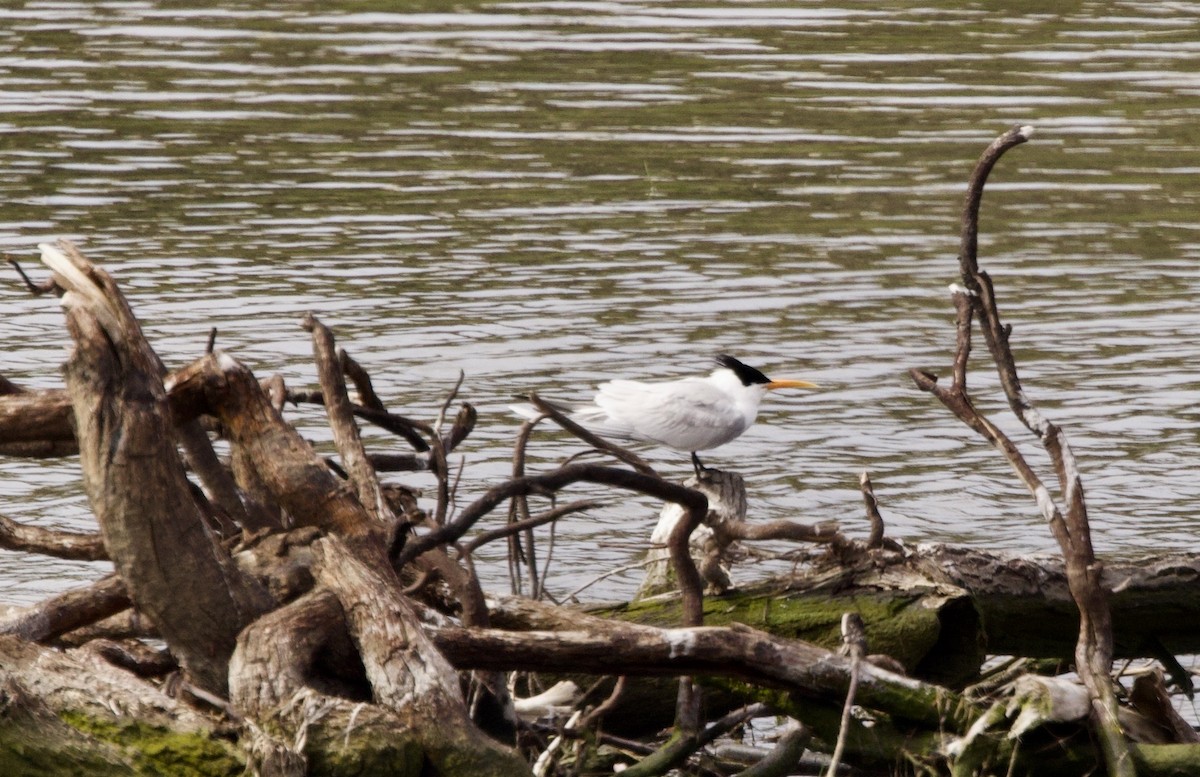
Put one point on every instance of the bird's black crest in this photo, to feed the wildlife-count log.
(746, 374)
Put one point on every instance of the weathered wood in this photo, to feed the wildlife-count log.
(1069, 525)
(1027, 609)
(78, 546)
(74, 713)
(37, 424)
(727, 651)
(68, 611)
(283, 464)
(404, 710)
(341, 420)
(153, 530)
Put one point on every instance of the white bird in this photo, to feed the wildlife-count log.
(690, 414)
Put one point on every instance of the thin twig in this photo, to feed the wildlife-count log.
(875, 539)
(408, 428)
(36, 289)
(439, 453)
(540, 591)
(694, 503)
(441, 416)
(609, 573)
(854, 645)
(592, 439)
(519, 511)
(507, 530)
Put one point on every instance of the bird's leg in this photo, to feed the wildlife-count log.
(701, 470)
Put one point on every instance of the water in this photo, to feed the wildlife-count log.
(543, 194)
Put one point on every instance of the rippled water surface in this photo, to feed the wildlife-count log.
(541, 195)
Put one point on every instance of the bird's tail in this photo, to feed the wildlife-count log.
(591, 417)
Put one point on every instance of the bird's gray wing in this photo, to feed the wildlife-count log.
(690, 415)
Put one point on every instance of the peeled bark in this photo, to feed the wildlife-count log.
(153, 529)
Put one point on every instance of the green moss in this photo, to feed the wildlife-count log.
(28, 756)
(897, 625)
(155, 750)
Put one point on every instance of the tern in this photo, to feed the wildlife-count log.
(691, 414)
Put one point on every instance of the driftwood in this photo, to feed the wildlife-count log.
(1069, 523)
(318, 620)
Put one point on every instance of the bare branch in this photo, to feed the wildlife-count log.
(875, 539)
(47, 286)
(77, 546)
(361, 380)
(528, 523)
(69, 610)
(408, 428)
(694, 502)
(823, 532)
(341, 421)
(1094, 649)
(969, 244)
(519, 511)
(594, 440)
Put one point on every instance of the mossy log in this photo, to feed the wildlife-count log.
(938, 609)
(72, 712)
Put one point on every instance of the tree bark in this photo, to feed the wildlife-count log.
(136, 484)
(285, 467)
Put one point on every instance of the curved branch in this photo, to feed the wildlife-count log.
(969, 245)
(694, 503)
(510, 529)
(592, 439)
(1094, 649)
